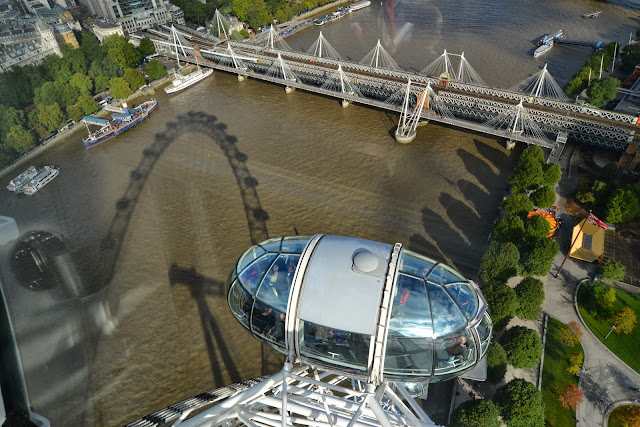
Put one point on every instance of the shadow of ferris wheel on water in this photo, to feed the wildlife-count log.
(200, 286)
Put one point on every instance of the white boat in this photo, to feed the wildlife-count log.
(183, 82)
(592, 14)
(45, 176)
(542, 49)
(19, 181)
(359, 5)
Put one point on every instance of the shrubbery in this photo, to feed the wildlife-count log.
(523, 346)
(520, 404)
(530, 292)
(475, 413)
(503, 303)
(496, 363)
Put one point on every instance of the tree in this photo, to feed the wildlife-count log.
(155, 69)
(135, 78)
(520, 404)
(527, 175)
(82, 82)
(536, 256)
(74, 113)
(496, 363)
(544, 197)
(258, 14)
(6, 155)
(146, 46)
(508, 230)
(20, 139)
(570, 333)
(536, 226)
(532, 152)
(9, 117)
(575, 363)
(622, 206)
(49, 93)
(502, 301)
(612, 270)
(121, 51)
(499, 262)
(606, 297)
(71, 94)
(571, 396)
(241, 9)
(51, 116)
(523, 346)
(630, 416)
(624, 320)
(120, 88)
(602, 91)
(87, 104)
(475, 413)
(517, 204)
(551, 174)
(530, 292)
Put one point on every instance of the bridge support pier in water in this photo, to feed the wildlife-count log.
(345, 103)
(511, 144)
(404, 138)
(241, 77)
(289, 89)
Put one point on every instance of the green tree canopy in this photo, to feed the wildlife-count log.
(87, 104)
(520, 404)
(6, 155)
(502, 301)
(544, 197)
(508, 230)
(15, 88)
(530, 292)
(70, 94)
(622, 206)
(496, 363)
(475, 413)
(536, 226)
(527, 175)
(624, 320)
(146, 46)
(499, 262)
(551, 174)
(612, 270)
(536, 256)
(9, 117)
(120, 88)
(51, 116)
(90, 46)
(82, 82)
(122, 52)
(523, 346)
(602, 91)
(517, 204)
(49, 93)
(74, 112)
(20, 139)
(135, 78)
(155, 69)
(532, 152)
(606, 297)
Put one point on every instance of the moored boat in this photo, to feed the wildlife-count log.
(359, 5)
(120, 122)
(19, 181)
(592, 14)
(542, 49)
(44, 176)
(183, 82)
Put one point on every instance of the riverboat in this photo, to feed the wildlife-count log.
(592, 14)
(44, 176)
(550, 38)
(19, 181)
(343, 11)
(120, 123)
(182, 82)
(359, 5)
(542, 49)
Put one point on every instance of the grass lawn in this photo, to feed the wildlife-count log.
(555, 378)
(625, 346)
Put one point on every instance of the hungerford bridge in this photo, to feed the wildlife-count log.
(535, 111)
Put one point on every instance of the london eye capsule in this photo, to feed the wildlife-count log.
(366, 309)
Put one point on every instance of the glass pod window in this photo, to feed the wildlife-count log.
(334, 346)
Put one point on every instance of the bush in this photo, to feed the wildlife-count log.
(611, 270)
(622, 206)
(570, 334)
(155, 69)
(536, 256)
(475, 413)
(496, 363)
(536, 226)
(551, 174)
(523, 347)
(520, 404)
(575, 363)
(508, 230)
(517, 204)
(624, 320)
(500, 262)
(530, 294)
(544, 197)
(527, 175)
(606, 298)
(502, 301)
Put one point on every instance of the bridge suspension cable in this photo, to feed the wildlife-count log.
(280, 69)
(541, 84)
(232, 60)
(221, 25)
(380, 58)
(464, 73)
(340, 82)
(516, 121)
(408, 122)
(275, 40)
(322, 49)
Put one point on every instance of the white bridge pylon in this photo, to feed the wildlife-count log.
(281, 70)
(275, 40)
(322, 49)
(340, 82)
(516, 122)
(541, 84)
(221, 25)
(380, 58)
(464, 73)
(301, 395)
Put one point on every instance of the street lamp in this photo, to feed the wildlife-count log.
(612, 328)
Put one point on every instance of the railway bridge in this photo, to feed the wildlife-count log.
(448, 91)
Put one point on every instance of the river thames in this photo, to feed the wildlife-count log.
(153, 220)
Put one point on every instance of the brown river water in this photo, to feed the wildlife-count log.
(153, 220)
